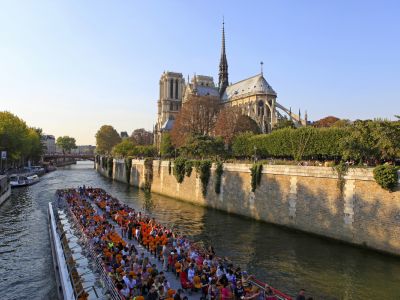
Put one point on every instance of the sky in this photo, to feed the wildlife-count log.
(69, 67)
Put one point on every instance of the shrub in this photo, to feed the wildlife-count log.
(256, 172)
(128, 167)
(148, 174)
(341, 169)
(188, 167)
(203, 168)
(386, 176)
(179, 169)
(110, 164)
(219, 170)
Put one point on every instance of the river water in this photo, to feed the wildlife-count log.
(285, 259)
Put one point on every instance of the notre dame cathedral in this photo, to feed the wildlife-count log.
(253, 95)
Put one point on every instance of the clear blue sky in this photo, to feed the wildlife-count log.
(71, 66)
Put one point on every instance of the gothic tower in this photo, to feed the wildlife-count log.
(223, 66)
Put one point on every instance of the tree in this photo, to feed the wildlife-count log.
(203, 147)
(326, 122)
(106, 138)
(66, 143)
(20, 141)
(284, 123)
(166, 147)
(36, 148)
(124, 148)
(196, 118)
(342, 123)
(231, 121)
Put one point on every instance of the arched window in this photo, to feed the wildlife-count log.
(171, 88)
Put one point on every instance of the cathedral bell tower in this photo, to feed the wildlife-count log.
(223, 66)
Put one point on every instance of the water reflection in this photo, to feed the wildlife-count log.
(286, 259)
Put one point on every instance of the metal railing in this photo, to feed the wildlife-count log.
(105, 278)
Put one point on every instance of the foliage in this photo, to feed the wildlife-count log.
(148, 174)
(128, 148)
(302, 143)
(124, 148)
(103, 162)
(179, 169)
(203, 146)
(386, 176)
(144, 151)
(219, 170)
(66, 143)
(110, 166)
(196, 118)
(341, 169)
(256, 173)
(166, 147)
(128, 167)
(203, 169)
(326, 122)
(231, 121)
(188, 168)
(106, 138)
(241, 146)
(372, 141)
(284, 123)
(20, 141)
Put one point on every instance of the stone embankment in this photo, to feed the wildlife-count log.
(354, 209)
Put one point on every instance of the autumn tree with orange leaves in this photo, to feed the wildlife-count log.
(196, 118)
(231, 121)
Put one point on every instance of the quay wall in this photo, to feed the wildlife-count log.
(303, 198)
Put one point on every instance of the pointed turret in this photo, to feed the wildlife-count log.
(223, 66)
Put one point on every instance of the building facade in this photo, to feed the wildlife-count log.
(254, 96)
(49, 144)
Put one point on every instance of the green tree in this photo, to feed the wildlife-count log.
(106, 138)
(66, 143)
(124, 148)
(166, 147)
(20, 141)
(203, 146)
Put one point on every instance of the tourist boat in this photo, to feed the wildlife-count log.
(63, 219)
(23, 180)
(5, 189)
(79, 272)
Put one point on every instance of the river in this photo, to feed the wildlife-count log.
(286, 259)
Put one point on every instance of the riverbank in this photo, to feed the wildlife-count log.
(310, 199)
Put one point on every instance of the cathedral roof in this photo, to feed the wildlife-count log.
(207, 91)
(253, 85)
(167, 126)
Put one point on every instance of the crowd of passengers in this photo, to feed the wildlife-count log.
(135, 277)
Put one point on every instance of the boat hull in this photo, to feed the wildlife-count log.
(64, 287)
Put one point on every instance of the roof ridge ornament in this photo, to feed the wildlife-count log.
(262, 64)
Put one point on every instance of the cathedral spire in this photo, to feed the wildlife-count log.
(223, 65)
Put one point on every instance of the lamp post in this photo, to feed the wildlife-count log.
(255, 154)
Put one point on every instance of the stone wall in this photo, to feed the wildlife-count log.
(303, 198)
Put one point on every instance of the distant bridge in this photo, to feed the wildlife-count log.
(69, 156)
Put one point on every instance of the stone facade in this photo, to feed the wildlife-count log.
(254, 96)
(302, 198)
